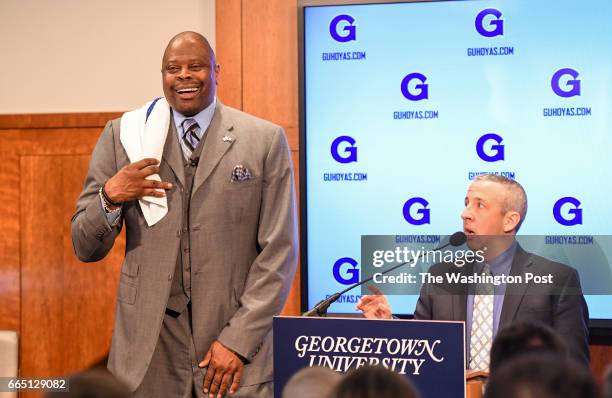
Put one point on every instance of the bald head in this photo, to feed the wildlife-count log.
(193, 37)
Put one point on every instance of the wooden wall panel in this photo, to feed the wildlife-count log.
(9, 243)
(269, 63)
(56, 120)
(62, 309)
(22, 135)
(229, 51)
(42, 268)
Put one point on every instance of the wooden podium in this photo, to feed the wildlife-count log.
(475, 381)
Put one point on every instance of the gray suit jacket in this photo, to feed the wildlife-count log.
(560, 305)
(243, 249)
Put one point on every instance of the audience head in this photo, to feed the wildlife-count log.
(374, 382)
(522, 338)
(96, 383)
(541, 375)
(315, 382)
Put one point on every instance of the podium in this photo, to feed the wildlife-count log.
(475, 382)
(430, 353)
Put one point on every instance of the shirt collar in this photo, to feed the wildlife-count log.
(204, 117)
(502, 263)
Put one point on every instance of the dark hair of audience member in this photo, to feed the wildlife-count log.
(374, 382)
(525, 337)
(315, 382)
(95, 383)
(541, 375)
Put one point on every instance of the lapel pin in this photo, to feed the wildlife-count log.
(227, 138)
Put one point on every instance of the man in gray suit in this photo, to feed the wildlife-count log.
(495, 208)
(198, 288)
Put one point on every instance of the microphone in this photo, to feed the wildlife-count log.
(194, 162)
(456, 239)
(320, 309)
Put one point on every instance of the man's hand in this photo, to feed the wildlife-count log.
(130, 182)
(224, 367)
(375, 306)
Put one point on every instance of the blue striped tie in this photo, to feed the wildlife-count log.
(190, 135)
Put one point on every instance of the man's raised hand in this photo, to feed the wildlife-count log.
(131, 183)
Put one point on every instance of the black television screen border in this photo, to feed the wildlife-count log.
(600, 330)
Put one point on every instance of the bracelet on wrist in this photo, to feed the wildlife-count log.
(107, 199)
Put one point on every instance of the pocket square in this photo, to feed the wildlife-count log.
(240, 173)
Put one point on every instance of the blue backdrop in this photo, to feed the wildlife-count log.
(405, 103)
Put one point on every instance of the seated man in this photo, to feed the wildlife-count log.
(495, 208)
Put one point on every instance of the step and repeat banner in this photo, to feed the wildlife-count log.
(406, 103)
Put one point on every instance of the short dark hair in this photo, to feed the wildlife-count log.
(542, 376)
(515, 200)
(374, 382)
(524, 337)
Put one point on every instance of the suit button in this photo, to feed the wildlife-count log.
(169, 277)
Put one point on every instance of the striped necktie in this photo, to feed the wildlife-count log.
(190, 134)
(482, 324)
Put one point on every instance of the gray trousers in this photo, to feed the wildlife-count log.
(174, 371)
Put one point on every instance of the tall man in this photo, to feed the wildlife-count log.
(495, 208)
(211, 237)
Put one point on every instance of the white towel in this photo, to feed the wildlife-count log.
(145, 138)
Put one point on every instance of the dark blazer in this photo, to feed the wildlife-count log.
(560, 305)
(243, 243)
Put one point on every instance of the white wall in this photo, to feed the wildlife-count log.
(87, 55)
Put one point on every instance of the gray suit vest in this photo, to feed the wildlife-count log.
(180, 292)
